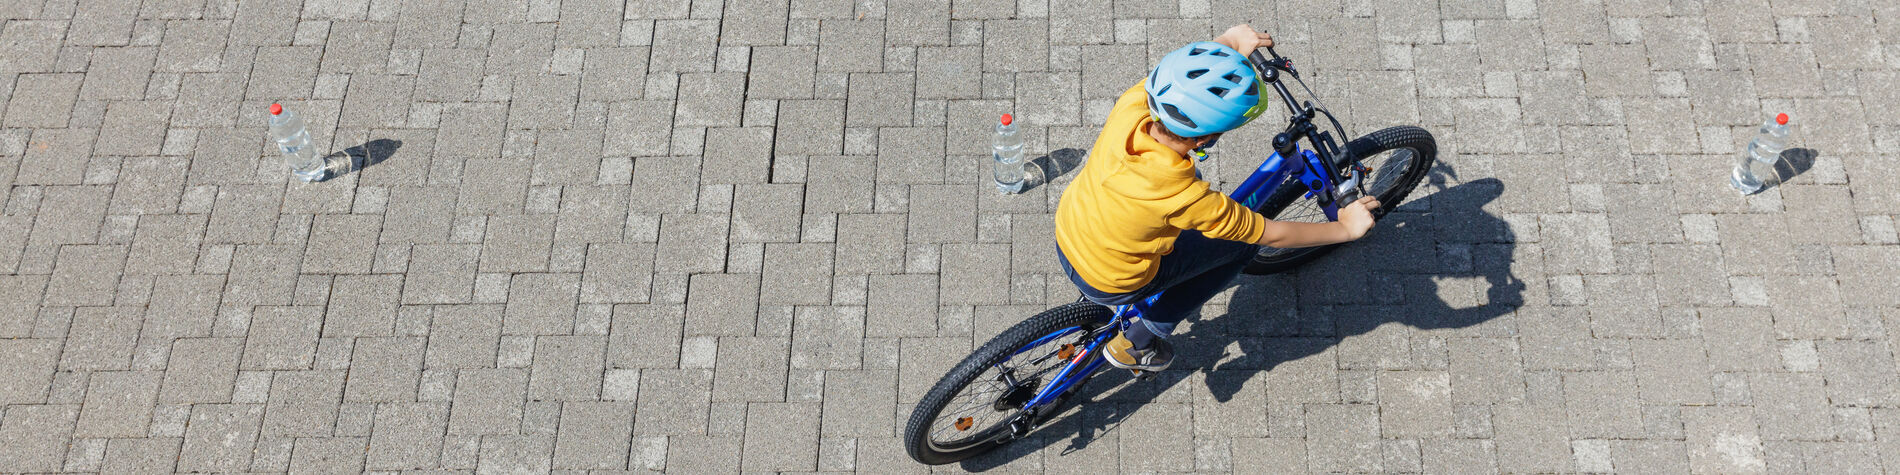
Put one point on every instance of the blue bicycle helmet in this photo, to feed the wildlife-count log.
(1203, 88)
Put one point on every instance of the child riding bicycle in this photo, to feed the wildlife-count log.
(1138, 219)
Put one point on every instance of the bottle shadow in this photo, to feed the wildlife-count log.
(1792, 163)
(1437, 262)
(1041, 170)
(355, 159)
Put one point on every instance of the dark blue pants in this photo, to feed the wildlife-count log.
(1198, 268)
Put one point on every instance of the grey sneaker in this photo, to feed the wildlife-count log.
(1122, 354)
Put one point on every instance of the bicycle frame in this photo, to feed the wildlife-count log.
(1313, 169)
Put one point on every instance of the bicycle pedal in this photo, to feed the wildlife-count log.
(1143, 375)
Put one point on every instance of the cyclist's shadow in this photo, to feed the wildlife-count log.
(1438, 262)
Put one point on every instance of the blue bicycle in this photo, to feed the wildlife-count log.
(1023, 377)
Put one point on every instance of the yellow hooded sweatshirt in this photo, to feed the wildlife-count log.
(1132, 198)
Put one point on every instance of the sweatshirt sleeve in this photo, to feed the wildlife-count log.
(1217, 216)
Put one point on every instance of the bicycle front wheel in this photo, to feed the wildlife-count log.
(1398, 156)
(969, 411)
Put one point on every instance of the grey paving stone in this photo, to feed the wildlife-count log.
(83, 207)
(767, 213)
(464, 336)
(781, 72)
(407, 435)
(754, 22)
(973, 274)
(543, 101)
(516, 453)
(118, 404)
(902, 305)
(566, 368)
(673, 401)
(35, 436)
(385, 369)
(645, 336)
(520, 49)
(517, 243)
(220, 437)
(154, 455)
(302, 403)
(778, 437)
(810, 127)
(1602, 404)
(201, 370)
(244, 214)
(1723, 439)
(488, 401)
(19, 303)
(31, 46)
(751, 369)
(149, 185)
(828, 338)
(709, 99)
(617, 273)
(101, 338)
(667, 185)
(857, 403)
(282, 338)
(330, 454)
(796, 274)
(591, 213)
(441, 273)
(928, 23)
(85, 275)
(851, 46)
(1858, 373)
(879, 99)
(58, 157)
(541, 304)
(594, 435)
(736, 155)
(692, 243)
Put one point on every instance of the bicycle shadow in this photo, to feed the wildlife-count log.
(1423, 268)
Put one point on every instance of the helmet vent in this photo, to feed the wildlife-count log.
(1196, 51)
(1231, 77)
(1218, 91)
(1175, 113)
(1196, 74)
(1219, 53)
(1164, 89)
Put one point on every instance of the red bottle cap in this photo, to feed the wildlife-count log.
(1007, 119)
(1781, 119)
(276, 109)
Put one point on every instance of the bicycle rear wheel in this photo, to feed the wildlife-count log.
(1398, 156)
(969, 411)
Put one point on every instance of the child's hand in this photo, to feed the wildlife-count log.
(1243, 38)
(1357, 217)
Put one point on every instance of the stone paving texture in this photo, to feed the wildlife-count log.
(713, 236)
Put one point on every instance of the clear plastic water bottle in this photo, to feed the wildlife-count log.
(1757, 165)
(293, 139)
(1007, 146)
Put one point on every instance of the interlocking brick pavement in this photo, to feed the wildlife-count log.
(723, 235)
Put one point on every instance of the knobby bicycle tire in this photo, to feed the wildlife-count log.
(918, 431)
(1392, 138)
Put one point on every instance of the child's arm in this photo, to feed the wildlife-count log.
(1354, 220)
(1244, 39)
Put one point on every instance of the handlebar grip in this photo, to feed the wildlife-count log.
(1258, 61)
